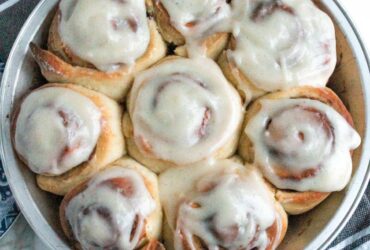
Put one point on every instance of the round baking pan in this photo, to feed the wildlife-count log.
(313, 230)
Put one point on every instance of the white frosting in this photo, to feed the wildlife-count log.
(104, 215)
(106, 33)
(56, 129)
(183, 110)
(197, 19)
(233, 207)
(300, 135)
(293, 44)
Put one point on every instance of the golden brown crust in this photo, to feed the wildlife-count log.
(299, 202)
(294, 202)
(154, 245)
(280, 225)
(168, 32)
(153, 222)
(62, 213)
(60, 64)
(213, 44)
(110, 145)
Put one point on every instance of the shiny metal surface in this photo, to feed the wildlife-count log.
(41, 209)
(16, 81)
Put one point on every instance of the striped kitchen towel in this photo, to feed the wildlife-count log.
(8, 208)
(356, 234)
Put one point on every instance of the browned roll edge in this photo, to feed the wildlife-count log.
(146, 242)
(213, 44)
(60, 64)
(294, 202)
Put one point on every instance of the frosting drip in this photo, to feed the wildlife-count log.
(183, 110)
(220, 206)
(106, 33)
(300, 143)
(56, 129)
(197, 19)
(111, 211)
(283, 43)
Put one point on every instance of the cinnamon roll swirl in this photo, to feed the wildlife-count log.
(118, 208)
(65, 133)
(302, 140)
(100, 44)
(220, 205)
(180, 112)
(195, 26)
(279, 44)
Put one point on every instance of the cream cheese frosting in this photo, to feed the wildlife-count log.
(283, 43)
(223, 203)
(183, 110)
(109, 216)
(303, 136)
(198, 19)
(106, 33)
(56, 130)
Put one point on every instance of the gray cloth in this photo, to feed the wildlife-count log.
(356, 234)
(11, 21)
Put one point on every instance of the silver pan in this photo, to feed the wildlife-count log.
(314, 230)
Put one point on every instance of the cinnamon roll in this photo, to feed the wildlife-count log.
(278, 44)
(118, 208)
(182, 111)
(220, 205)
(194, 27)
(65, 133)
(154, 245)
(100, 44)
(302, 140)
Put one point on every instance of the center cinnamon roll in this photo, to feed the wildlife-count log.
(183, 111)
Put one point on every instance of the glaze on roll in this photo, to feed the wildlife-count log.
(220, 205)
(196, 20)
(199, 27)
(105, 33)
(100, 44)
(308, 140)
(65, 133)
(183, 111)
(117, 209)
(56, 130)
(279, 44)
(302, 140)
